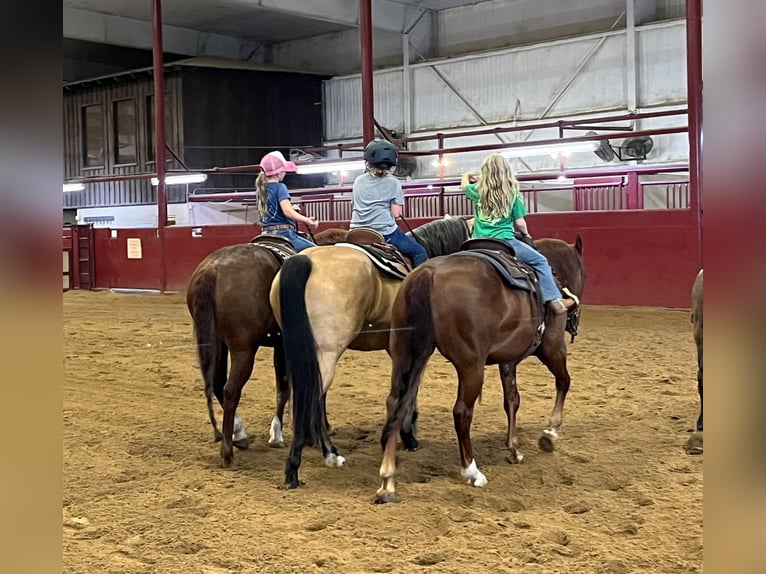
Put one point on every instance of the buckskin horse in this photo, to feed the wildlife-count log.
(327, 300)
(463, 306)
(228, 299)
(694, 444)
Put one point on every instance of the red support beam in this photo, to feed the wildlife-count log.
(365, 39)
(159, 132)
(694, 97)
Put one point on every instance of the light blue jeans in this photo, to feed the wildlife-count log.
(540, 264)
(298, 242)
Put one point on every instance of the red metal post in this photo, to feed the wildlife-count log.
(694, 97)
(365, 38)
(159, 132)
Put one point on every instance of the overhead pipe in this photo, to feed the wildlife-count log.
(694, 96)
(159, 135)
(368, 101)
(453, 182)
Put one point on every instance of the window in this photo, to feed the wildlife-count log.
(125, 131)
(150, 125)
(93, 135)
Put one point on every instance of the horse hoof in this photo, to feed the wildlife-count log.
(384, 497)
(242, 444)
(515, 458)
(277, 444)
(694, 444)
(217, 436)
(411, 444)
(335, 461)
(292, 485)
(547, 440)
(227, 461)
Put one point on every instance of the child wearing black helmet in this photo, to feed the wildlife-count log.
(378, 199)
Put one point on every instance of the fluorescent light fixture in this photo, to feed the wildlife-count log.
(181, 179)
(73, 187)
(564, 148)
(333, 166)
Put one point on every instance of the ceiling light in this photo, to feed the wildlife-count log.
(564, 148)
(333, 166)
(73, 187)
(181, 179)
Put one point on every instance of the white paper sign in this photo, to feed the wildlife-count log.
(134, 248)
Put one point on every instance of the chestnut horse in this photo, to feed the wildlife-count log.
(228, 299)
(461, 306)
(327, 300)
(694, 444)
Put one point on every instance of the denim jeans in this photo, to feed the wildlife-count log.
(298, 242)
(537, 260)
(407, 246)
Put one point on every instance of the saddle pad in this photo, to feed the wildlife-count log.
(388, 264)
(281, 249)
(515, 276)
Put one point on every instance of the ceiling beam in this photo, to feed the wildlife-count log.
(121, 31)
(386, 14)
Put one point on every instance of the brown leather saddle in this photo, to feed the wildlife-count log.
(384, 256)
(281, 247)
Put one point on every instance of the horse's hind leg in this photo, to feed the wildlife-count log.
(400, 405)
(554, 356)
(219, 380)
(699, 383)
(241, 369)
(276, 438)
(222, 366)
(470, 382)
(511, 405)
(327, 363)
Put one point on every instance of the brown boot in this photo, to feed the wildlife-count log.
(561, 306)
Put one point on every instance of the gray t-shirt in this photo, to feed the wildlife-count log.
(372, 198)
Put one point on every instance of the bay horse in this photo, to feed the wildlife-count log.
(461, 306)
(327, 300)
(228, 299)
(694, 444)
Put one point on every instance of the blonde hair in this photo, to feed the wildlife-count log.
(498, 188)
(261, 184)
(378, 171)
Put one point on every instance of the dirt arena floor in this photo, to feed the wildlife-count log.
(144, 490)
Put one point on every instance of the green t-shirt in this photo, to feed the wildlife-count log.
(497, 228)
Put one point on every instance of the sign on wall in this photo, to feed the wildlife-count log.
(134, 248)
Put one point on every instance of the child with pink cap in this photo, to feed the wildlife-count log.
(278, 216)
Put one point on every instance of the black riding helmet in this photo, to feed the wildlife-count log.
(381, 154)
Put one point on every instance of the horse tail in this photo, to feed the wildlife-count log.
(210, 349)
(300, 352)
(412, 343)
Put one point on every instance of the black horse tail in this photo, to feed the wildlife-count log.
(210, 349)
(300, 352)
(412, 343)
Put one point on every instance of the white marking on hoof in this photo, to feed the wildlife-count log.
(275, 433)
(551, 433)
(239, 429)
(473, 475)
(334, 461)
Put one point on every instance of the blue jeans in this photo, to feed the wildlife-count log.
(407, 246)
(537, 260)
(298, 242)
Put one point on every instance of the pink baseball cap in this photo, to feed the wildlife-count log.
(274, 163)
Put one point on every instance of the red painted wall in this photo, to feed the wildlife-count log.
(647, 258)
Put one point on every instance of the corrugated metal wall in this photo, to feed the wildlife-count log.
(106, 93)
(531, 76)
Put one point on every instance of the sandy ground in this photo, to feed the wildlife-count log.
(144, 490)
